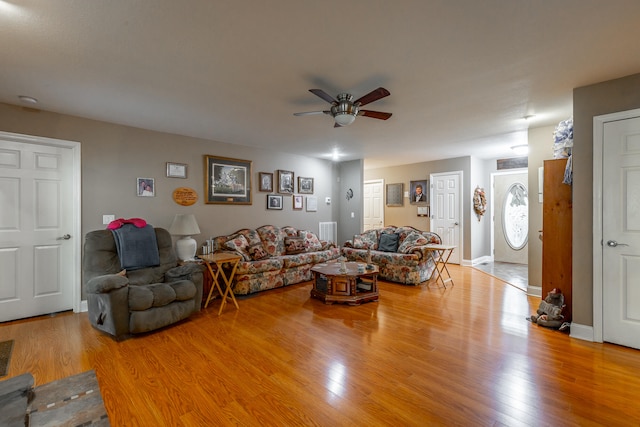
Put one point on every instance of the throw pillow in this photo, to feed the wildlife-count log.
(366, 240)
(257, 252)
(412, 240)
(311, 241)
(388, 243)
(238, 243)
(294, 245)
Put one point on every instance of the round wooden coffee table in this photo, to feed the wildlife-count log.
(353, 286)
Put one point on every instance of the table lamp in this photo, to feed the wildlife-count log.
(185, 225)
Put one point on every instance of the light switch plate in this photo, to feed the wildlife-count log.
(106, 219)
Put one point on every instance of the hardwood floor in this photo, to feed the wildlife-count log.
(420, 356)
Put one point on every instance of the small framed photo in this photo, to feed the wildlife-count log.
(285, 182)
(274, 201)
(419, 192)
(176, 170)
(266, 181)
(305, 185)
(146, 187)
(312, 203)
(297, 202)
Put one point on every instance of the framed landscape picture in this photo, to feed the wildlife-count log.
(227, 180)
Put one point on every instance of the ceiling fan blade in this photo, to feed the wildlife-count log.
(310, 113)
(374, 95)
(374, 114)
(324, 95)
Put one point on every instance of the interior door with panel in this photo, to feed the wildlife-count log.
(38, 250)
(446, 212)
(373, 199)
(621, 232)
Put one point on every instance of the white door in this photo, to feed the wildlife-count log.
(621, 232)
(373, 205)
(446, 210)
(510, 216)
(39, 245)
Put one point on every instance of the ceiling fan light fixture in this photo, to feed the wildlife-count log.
(521, 150)
(344, 119)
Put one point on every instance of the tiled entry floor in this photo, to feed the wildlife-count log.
(514, 274)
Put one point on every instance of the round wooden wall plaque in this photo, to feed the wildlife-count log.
(185, 196)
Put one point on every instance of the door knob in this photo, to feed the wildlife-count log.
(455, 223)
(613, 244)
(65, 237)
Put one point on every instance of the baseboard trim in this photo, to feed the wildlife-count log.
(481, 260)
(83, 306)
(534, 291)
(582, 332)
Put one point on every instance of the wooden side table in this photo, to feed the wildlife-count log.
(440, 255)
(219, 260)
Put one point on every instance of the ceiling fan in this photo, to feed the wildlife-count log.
(344, 110)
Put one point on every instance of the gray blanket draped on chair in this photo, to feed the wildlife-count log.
(137, 247)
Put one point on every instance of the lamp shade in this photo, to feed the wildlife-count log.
(185, 225)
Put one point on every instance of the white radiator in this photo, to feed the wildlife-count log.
(328, 231)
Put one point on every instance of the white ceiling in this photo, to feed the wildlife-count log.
(462, 73)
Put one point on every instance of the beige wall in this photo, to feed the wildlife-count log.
(408, 214)
(589, 101)
(113, 156)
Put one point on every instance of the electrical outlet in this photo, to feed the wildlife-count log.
(106, 219)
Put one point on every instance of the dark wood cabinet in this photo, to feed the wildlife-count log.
(557, 232)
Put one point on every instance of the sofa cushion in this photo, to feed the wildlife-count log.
(388, 242)
(290, 231)
(254, 267)
(238, 243)
(311, 241)
(257, 252)
(252, 236)
(272, 239)
(412, 240)
(294, 245)
(404, 231)
(156, 295)
(366, 240)
(184, 289)
(296, 260)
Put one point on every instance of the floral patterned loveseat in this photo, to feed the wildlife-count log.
(273, 257)
(399, 252)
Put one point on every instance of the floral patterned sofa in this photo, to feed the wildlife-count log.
(273, 257)
(399, 252)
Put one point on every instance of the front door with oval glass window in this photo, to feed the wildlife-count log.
(511, 218)
(515, 216)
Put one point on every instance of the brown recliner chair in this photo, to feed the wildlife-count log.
(134, 301)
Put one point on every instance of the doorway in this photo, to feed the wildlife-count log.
(39, 226)
(509, 228)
